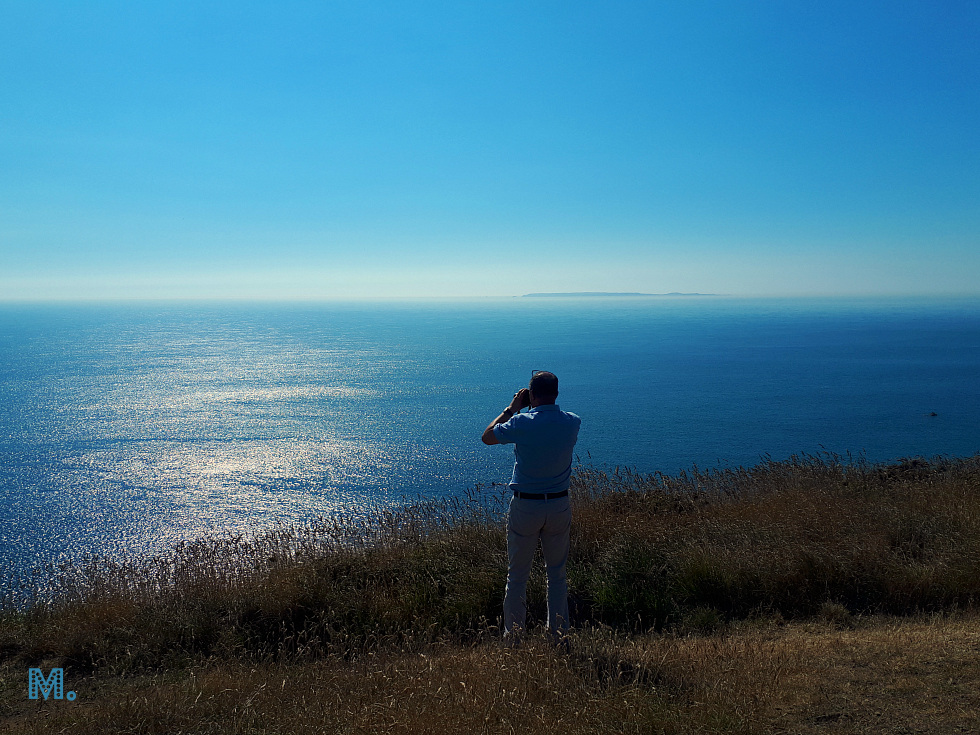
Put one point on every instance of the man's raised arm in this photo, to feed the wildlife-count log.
(521, 399)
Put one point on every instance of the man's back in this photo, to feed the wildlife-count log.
(544, 440)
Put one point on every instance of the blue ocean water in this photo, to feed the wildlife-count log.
(127, 427)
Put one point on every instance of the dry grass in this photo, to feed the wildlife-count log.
(919, 676)
(801, 596)
(883, 676)
(785, 537)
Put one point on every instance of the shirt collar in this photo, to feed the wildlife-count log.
(545, 407)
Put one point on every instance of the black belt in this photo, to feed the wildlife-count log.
(539, 496)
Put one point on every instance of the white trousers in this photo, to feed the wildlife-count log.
(527, 522)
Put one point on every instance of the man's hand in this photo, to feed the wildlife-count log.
(522, 399)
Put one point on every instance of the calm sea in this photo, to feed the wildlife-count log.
(125, 428)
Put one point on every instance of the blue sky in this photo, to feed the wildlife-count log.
(365, 149)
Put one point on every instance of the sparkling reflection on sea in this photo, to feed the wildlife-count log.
(126, 428)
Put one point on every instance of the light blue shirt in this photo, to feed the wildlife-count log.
(543, 440)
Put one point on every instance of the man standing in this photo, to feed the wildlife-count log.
(544, 438)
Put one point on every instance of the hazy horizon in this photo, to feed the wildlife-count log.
(335, 151)
(967, 300)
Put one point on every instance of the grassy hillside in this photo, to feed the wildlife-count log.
(720, 601)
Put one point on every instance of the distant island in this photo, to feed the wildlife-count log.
(607, 293)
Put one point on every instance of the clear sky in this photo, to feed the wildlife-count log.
(374, 148)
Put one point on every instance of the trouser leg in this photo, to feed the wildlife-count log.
(555, 541)
(523, 527)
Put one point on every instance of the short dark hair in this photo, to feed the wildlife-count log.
(544, 385)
